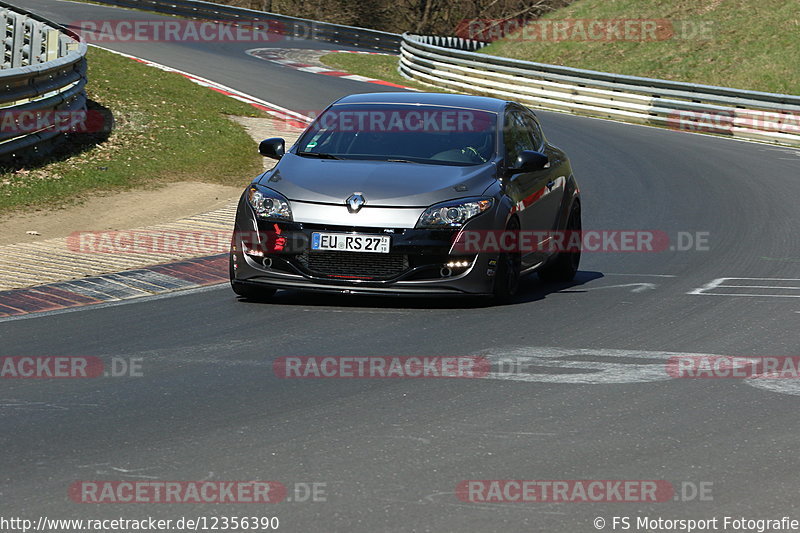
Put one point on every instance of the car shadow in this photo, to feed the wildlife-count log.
(531, 289)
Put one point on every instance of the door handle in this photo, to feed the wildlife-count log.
(550, 185)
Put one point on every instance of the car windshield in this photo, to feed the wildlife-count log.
(405, 133)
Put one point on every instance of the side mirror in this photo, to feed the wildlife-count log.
(530, 161)
(273, 147)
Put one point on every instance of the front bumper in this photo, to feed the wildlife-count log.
(420, 262)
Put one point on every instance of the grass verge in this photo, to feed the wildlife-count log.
(749, 46)
(166, 129)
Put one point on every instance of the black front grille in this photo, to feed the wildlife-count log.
(354, 264)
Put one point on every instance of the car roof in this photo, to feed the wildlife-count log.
(481, 103)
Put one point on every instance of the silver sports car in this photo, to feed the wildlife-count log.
(409, 193)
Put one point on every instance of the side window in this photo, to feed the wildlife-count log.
(515, 136)
(535, 130)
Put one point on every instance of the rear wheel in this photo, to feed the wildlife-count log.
(250, 292)
(509, 265)
(564, 265)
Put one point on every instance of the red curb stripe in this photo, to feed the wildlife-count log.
(24, 302)
(213, 273)
(195, 273)
(216, 263)
(221, 91)
(67, 295)
(199, 269)
(36, 299)
(179, 274)
(55, 300)
(200, 272)
(9, 311)
(388, 84)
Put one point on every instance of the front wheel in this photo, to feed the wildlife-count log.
(564, 265)
(509, 265)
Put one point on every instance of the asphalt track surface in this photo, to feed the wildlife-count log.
(391, 452)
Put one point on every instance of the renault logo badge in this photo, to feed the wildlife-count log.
(355, 202)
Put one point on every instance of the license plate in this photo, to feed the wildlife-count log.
(349, 242)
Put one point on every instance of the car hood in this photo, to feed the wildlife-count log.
(382, 183)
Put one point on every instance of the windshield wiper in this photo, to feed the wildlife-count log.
(402, 161)
(318, 155)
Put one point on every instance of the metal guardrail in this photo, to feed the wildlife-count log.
(42, 81)
(751, 115)
(290, 26)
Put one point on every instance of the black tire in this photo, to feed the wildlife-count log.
(564, 265)
(509, 265)
(250, 292)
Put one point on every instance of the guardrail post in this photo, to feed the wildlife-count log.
(17, 40)
(6, 19)
(51, 45)
(36, 55)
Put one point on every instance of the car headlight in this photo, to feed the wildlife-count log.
(268, 204)
(453, 214)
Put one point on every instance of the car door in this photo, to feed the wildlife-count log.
(549, 202)
(526, 189)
